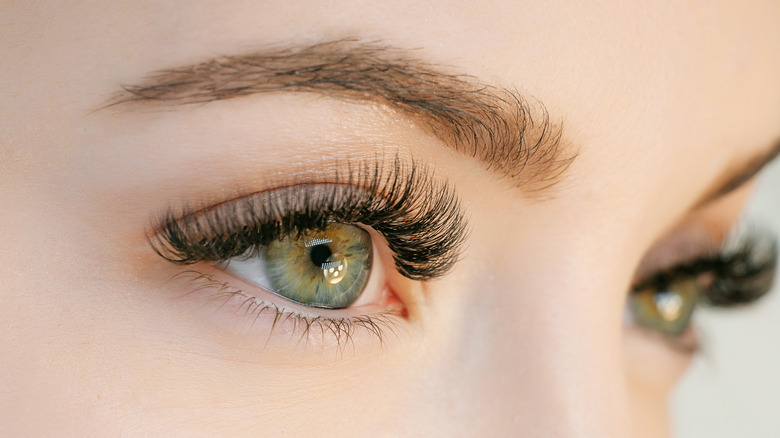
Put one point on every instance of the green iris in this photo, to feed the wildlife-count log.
(320, 268)
(668, 309)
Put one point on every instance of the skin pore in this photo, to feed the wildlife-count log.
(657, 115)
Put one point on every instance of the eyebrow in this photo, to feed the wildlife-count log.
(742, 176)
(508, 134)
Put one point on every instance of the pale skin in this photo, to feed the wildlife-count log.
(525, 336)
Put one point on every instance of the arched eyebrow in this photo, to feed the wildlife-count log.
(510, 135)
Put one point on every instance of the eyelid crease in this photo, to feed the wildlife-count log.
(419, 216)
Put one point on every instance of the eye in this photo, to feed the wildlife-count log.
(668, 308)
(739, 273)
(322, 262)
(327, 269)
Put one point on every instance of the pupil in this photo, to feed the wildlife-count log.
(320, 255)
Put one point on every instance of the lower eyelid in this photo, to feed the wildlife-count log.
(686, 342)
(268, 321)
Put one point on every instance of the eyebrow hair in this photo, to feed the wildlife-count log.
(509, 135)
(742, 176)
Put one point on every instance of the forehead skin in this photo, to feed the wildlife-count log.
(641, 82)
(657, 100)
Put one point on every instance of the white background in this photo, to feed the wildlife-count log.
(733, 386)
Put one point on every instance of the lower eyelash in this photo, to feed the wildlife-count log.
(343, 331)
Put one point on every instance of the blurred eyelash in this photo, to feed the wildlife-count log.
(743, 270)
(419, 216)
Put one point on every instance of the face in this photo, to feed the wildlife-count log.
(388, 219)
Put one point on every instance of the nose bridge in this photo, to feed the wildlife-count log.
(538, 353)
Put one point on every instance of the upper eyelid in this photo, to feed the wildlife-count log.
(419, 216)
(706, 262)
(363, 173)
(746, 243)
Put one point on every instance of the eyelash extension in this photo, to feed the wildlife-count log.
(419, 216)
(743, 270)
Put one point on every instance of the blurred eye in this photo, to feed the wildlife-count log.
(738, 273)
(668, 308)
(327, 269)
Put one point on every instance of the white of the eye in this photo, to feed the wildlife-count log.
(251, 269)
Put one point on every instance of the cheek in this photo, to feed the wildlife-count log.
(652, 370)
(651, 362)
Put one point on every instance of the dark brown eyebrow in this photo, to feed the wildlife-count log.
(508, 134)
(742, 176)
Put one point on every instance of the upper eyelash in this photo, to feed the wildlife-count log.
(743, 272)
(419, 216)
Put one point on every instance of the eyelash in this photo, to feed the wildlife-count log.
(424, 226)
(740, 272)
(419, 217)
(743, 270)
(342, 328)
